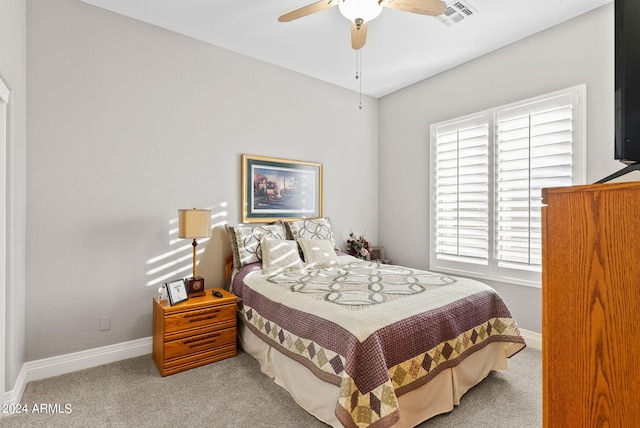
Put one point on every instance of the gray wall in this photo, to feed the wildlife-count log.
(128, 123)
(13, 73)
(578, 51)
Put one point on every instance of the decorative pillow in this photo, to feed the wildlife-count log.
(279, 255)
(245, 241)
(315, 228)
(318, 252)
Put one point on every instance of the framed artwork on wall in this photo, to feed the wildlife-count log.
(275, 189)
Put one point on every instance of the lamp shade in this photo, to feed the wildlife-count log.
(194, 223)
(363, 9)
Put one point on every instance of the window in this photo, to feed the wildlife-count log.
(487, 173)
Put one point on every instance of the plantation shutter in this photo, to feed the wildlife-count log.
(533, 151)
(487, 173)
(462, 191)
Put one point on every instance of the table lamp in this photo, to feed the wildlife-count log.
(193, 224)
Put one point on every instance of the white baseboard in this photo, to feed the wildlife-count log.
(14, 396)
(533, 339)
(67, 363)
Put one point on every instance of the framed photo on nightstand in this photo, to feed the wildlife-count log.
(177, 291)
(377, 253)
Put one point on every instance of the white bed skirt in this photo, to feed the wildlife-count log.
(319, 398)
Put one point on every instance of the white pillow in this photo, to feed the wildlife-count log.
(279, 255)
(318, 252)
(245, 241)
(311, 228)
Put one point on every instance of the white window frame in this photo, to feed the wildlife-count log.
(491, 270)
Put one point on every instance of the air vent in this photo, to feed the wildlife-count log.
(456, 11)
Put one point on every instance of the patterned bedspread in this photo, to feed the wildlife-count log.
(377, 331)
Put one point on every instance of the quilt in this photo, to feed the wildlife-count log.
(377, 331)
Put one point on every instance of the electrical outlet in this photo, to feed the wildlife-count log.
(105, 323)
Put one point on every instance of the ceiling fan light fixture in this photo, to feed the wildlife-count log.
(360, 9)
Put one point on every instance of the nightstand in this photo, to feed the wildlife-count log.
(193, 333)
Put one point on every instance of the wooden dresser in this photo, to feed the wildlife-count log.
(195, 332)
(591, 306)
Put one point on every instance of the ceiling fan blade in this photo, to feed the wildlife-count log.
(358, 35)
(423, 7)
(307, 10)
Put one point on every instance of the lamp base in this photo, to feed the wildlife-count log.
(195, 286)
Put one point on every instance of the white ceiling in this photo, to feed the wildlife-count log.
(402, 48)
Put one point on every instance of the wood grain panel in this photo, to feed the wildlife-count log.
(198, 318)
(199, 343)
(591, 306)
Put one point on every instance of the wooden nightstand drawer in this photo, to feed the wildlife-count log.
(195, 360)
(195, 332)
(199, 318)
(199, 343)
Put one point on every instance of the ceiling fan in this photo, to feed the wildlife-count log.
(360, 12)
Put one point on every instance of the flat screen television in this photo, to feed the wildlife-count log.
(627, 86)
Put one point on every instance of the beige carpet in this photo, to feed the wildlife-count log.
(234, 393)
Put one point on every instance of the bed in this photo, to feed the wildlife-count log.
(359, 343)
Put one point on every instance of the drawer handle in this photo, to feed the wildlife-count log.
(203, 340)
(200, 313)
(203, 318)
(197, 345)
(203, 315)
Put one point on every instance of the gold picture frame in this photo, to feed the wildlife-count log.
(280, 189)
